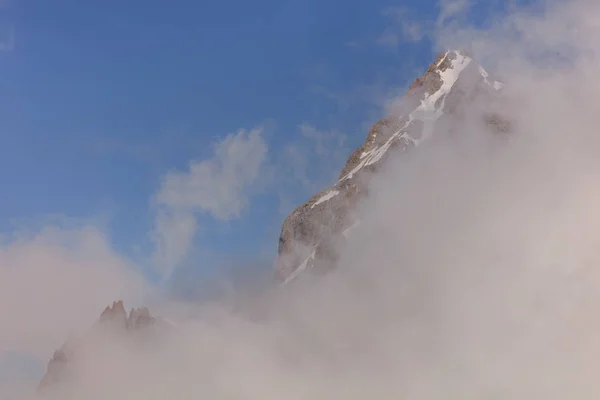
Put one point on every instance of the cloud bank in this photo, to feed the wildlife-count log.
(53, 284)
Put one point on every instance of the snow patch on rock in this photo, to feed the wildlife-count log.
(328, 196)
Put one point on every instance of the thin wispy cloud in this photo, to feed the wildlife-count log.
(218, 187)
(8, 43)
(405, 27)
(450, 9)
(173, 236)
(309, 163)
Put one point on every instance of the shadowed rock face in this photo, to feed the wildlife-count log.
(312, 234)
(114, 317)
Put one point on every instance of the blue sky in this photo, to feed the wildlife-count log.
(101, 102)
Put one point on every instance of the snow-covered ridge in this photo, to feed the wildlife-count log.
(306, 264)
(327, 196)
(428, 111)
(453, 78)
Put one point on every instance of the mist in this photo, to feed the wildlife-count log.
(475, 272)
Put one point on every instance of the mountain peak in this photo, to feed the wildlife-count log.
(446, 68)
(441, 63)
(312, 233)
(116, 311)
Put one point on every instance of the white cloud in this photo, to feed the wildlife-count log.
(389, 39)
(323, 143)
(218, 187)
(55, 282)
(405, 28)
(173, 235)
(451, 9)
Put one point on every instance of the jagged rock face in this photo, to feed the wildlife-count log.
(116, 314)
(312, 234)
(113, 318)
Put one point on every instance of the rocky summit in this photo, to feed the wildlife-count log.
(313, 233)
(114, 318)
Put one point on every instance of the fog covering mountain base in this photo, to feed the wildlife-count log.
(474, 273)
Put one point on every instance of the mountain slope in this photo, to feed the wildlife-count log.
(312, 234)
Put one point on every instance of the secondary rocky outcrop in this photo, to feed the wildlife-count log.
(113, 319)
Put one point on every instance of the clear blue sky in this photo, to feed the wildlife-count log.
(101, 99)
